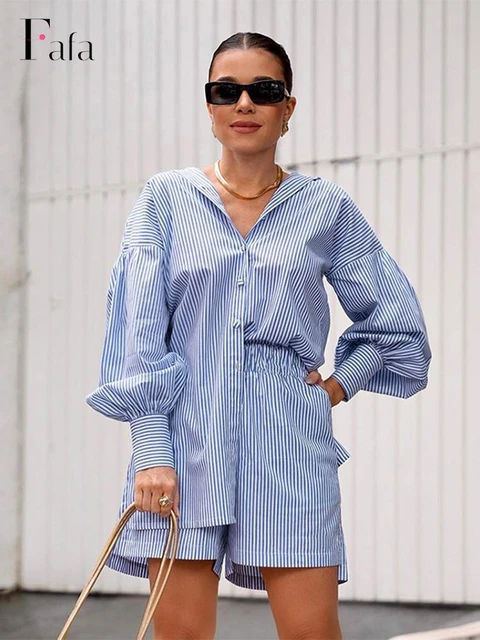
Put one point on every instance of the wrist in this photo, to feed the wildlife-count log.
(335, 389)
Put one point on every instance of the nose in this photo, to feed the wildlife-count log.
(244, 100)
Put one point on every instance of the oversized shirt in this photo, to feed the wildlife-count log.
(188, 292)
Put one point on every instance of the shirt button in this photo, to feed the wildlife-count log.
(240, 282)
(244, 248)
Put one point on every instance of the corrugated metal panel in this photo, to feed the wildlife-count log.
(386, 107)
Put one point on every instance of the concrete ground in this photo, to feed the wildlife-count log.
(40, 616)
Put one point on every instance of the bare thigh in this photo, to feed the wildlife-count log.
(188, 606)
(304, 602)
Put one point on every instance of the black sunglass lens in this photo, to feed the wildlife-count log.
(224, 93)
(266, 92)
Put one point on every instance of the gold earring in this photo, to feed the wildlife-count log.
(284, 127)
(213, 131)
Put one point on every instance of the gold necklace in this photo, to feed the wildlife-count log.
(222, 180)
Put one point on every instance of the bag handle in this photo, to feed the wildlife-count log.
(157, 588)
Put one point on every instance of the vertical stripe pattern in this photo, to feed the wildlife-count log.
(209, 337)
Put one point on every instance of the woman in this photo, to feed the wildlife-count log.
(216, 313)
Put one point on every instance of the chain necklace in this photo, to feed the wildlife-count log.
(222, 180)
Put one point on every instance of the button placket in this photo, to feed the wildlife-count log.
(237, 360)
(239, 309)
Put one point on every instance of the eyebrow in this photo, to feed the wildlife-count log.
(233, 79)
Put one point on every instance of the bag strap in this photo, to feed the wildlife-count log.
(158, 587)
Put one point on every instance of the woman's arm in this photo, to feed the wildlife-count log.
(140, 380)
(386, 349)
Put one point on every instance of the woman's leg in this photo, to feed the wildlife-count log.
(188, 607)
(304, 602)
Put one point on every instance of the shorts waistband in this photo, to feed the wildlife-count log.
(273, 358)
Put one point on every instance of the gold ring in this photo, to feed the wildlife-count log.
(164, 501)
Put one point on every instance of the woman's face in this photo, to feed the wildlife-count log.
(244, 66)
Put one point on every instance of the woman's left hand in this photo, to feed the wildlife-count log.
(331, 386)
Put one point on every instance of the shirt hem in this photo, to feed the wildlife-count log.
(181, 525)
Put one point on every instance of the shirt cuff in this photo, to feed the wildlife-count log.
(354, 372)
(151, 443)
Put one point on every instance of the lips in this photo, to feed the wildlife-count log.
(244, 123)
(245, 127)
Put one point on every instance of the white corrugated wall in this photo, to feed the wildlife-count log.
(388, 107)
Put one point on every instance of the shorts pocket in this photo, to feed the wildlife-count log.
(325, 392)
(342, 453)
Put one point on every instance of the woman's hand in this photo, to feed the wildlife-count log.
(151, 484)
(331, 386)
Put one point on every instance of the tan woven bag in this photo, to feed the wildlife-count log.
(157, 588)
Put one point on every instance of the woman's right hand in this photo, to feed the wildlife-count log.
(151, 484)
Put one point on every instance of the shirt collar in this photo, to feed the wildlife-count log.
(290, 185)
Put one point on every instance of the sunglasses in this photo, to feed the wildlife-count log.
(261, 92)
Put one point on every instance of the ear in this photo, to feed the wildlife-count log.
(290, 108)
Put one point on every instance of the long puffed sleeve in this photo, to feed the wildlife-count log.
(386, 349)
(140, 380)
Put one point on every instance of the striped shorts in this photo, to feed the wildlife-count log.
(288, 507)
(219, 543)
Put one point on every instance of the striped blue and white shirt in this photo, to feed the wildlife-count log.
(187, 292)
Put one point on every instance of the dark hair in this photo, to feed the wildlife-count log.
(249, 40)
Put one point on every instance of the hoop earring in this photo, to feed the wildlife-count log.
(284, 127)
